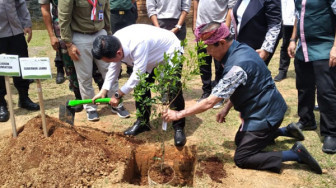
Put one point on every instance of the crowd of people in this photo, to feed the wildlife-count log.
(92, 38)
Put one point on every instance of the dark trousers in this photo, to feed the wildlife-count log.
(284, 58)
(177, 104)
(14, 45)
(170, 24)
(317, 75)
(249, 152)
(206, 72)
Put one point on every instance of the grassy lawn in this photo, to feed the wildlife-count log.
(202, 130)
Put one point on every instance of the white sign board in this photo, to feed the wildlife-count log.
(9, 65)
(35, 68)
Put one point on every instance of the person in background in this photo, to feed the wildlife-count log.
(169, 15)
(247, 86)
(315, 66)
(288, 18)
(15, 24)
(144, 50)
(123, 13)
(258, 24)
(80, 23)
(206, 11)
(50, 19)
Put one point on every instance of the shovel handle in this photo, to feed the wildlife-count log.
(88, 101)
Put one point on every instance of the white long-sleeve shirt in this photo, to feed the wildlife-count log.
(144, 47)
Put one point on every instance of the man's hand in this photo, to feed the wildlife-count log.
(263, 54)
(54, 42)
(114, 102)
(101, 94)
(291, 49)
(28, 31)
(174, 30)
(332, 58)
(170, 115)
(220, 118)
(73, 52)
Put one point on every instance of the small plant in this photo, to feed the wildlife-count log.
(170, 78)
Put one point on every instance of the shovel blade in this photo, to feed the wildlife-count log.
(66, 114)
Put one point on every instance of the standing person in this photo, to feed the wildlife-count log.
(50, 19)
(257, 23)
(123, 13)
(205, 12)
(315, 66)
(143, 50)
(15, 24)
(247, 85)
(288, 18)
(80, 23)
(169, 15)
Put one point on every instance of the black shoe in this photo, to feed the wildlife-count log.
(4, 114)
(280, 76)
(137, 128)
(179, 138)
(306, 158)
(329, 145)
(28, 104)
(295, 131)
(60, 78)
(204, 96)
(306, 127)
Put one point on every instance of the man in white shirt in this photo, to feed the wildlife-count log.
(143, 47)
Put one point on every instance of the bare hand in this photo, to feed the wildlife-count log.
(263, 54)
(220, 118)
(54, 42)
(170, 115)
(98, 96)
(174, 30)
(28, 31)
(291, 49)
(73, 52)
(332, 59)
(114, 102)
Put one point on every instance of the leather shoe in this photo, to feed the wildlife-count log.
(60, 78)
(280, 76)
(295, 131)
(179, 138)
(4, 114)
(78, 108)
(306, 158)
(28, 104)
(329, 145)
(137, 128)
(306, 127)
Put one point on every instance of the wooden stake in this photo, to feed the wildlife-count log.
(10, 104)
(40, 96)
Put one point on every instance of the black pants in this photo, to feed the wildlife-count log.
(206, 72)
(317, 75)
(249, 152)
(170, 24)
(177, 104)
(284, 58)
(14, 45)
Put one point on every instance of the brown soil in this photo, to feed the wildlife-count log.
(68, 157)
(213, 167)
(161, 174)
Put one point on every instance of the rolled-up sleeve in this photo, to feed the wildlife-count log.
(65, 8)
(273, 16)
(23, 13)
(151, 8)
(230, 82)
(186, 5)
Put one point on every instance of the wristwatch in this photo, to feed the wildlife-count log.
(117, 95)
(178, 26)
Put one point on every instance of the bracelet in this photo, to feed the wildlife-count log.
(292, 40)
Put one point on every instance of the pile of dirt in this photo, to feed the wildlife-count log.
(68, 157)
(212, 166)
